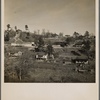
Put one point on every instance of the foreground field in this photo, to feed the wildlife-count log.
(37, 71)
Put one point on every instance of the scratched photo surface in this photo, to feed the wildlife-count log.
(49, 41)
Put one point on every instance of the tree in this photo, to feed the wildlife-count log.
(86, 34)
(49, 49)
(54, 35)
(43, 32)
(38, 31)
(80, 37)
(22, 67)
(60, 34)
(15, 28)
(26, 27)
(8, 26)
(75, 34)
(86, 47)
(68, 40)
(35, 33)
(36, 39)
(6, 36)
(27, 31)
(92, 51)
(40, 41)
(86, 44)
(48, 34)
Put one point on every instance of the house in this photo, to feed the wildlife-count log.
(80, 59)
(41, 56)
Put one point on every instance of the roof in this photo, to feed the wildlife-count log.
(19, 41)
(58, 50)
(54, 40)
(63, 55)
(80, 58)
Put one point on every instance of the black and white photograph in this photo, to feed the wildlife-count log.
(49, 41)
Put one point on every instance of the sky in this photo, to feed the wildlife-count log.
(56, 16)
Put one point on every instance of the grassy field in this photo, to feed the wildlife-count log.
(36, 71)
